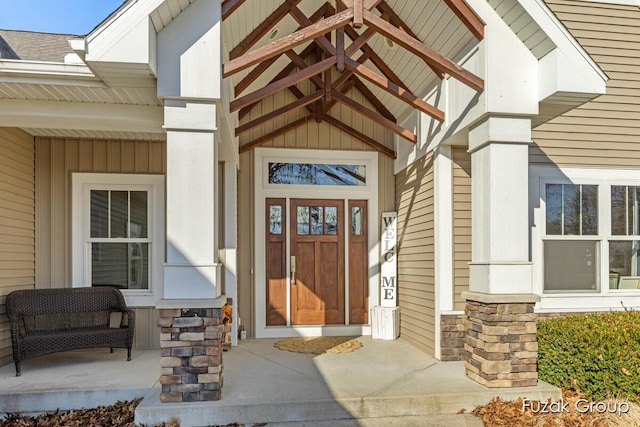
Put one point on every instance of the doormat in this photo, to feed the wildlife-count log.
(319, 345)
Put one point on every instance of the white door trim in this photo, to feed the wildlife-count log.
(265, 190)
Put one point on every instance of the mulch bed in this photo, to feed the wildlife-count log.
(576, 413)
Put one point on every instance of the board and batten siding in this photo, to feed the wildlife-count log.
(416, 247)
(461, 224)
(604, 132)
(17, 223)
(56, 160)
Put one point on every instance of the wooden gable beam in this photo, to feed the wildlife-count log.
(263, 66)
(395, 90)
(366, 4)
(288, 69)
(261, 30)
(427, 54)
(281, 84)
(360, 41)
(370, 96)
(253, 75)
(372, 55)
(468, 17)
(276, 133)
(327, 118)
(358, 10)
(302, 19)
(293, 106)
(288, 42)
(230, 6)
(360, 136)
(394, 19)
(377, 118)
(353, 81)
(301, 64)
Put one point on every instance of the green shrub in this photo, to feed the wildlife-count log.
(596, 353)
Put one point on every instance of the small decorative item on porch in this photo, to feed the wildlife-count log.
(226, 322)
(319, 345)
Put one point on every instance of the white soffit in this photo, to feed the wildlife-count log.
(541, 31)
(567, 75)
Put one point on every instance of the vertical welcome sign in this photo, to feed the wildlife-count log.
(388, 268)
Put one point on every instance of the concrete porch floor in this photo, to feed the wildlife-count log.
(384, 380)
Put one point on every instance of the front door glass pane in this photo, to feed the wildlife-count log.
(357, 221)
(275, 219)
(303, 220)
(331, 220)
(316, 220)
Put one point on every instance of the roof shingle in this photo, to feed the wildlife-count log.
(34, 46)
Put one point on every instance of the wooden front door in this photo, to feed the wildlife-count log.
(317, 243)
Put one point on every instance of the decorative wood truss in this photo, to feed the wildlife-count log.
(320, 57)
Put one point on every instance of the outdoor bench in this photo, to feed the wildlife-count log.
(47, 321)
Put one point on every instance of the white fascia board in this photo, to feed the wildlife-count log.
(81, 116)
(37, 72)
(127, 36)
(569, 68)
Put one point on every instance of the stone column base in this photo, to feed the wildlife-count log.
(191, 354)
(500, 344)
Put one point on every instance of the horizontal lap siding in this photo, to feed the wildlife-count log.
(606, 131)
(56, 160)
(17, 223)
(416, 274)
(461, 224)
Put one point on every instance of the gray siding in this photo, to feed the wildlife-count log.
(17, 223)
(416, 272)
(604, 132)
(461, 224)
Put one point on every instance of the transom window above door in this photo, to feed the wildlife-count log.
(317, 174)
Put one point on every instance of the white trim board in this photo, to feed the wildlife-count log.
(604, 298)
(81, 182)
(264, 190)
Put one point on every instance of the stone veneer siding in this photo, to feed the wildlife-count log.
(452, 337)
(501, 344)
(191, 354)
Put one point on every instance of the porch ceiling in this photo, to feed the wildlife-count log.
(407, 48)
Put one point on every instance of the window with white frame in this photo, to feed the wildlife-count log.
(588, 240)
(625, 237)
(571, 245)
(118, 233)
(119, 239)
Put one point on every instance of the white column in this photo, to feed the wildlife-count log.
(230, 238)
(192, 269)
(500, 210)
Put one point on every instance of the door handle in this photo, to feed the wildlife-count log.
(293, 270)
